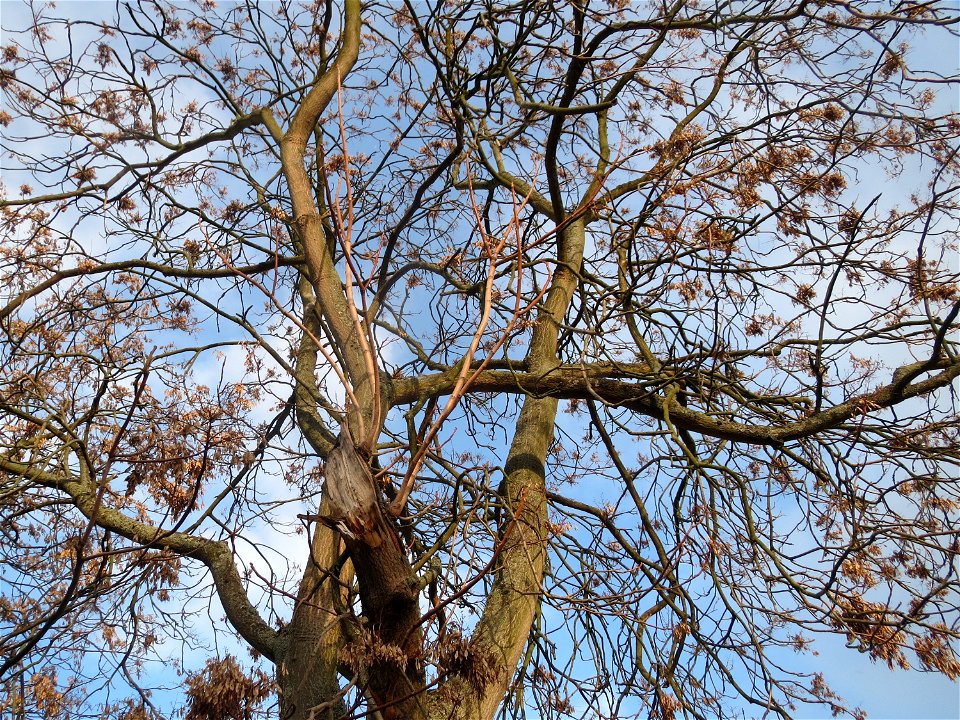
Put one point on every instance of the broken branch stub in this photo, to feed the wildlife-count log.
(351, 493)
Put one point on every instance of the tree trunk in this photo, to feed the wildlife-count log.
(388, 647)
(309, 646)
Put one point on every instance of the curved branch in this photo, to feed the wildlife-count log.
(123, 265)
(331, 301)
(216, 555)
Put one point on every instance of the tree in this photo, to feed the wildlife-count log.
(329, 270)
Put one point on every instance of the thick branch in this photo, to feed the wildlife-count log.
(515, 595)
(307, 393)
(308, 650)
(386, 581)
(610, 384)
(320, 263)
(332, 302)
(215, 555)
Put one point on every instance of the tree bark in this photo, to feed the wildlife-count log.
(309, 647)
(390, 643)
(515, 598)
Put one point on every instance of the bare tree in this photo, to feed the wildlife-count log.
(325, 272)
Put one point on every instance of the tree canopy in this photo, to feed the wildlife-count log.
(475, 359)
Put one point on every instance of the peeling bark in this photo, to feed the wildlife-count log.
(351, 494)
(387, 585)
